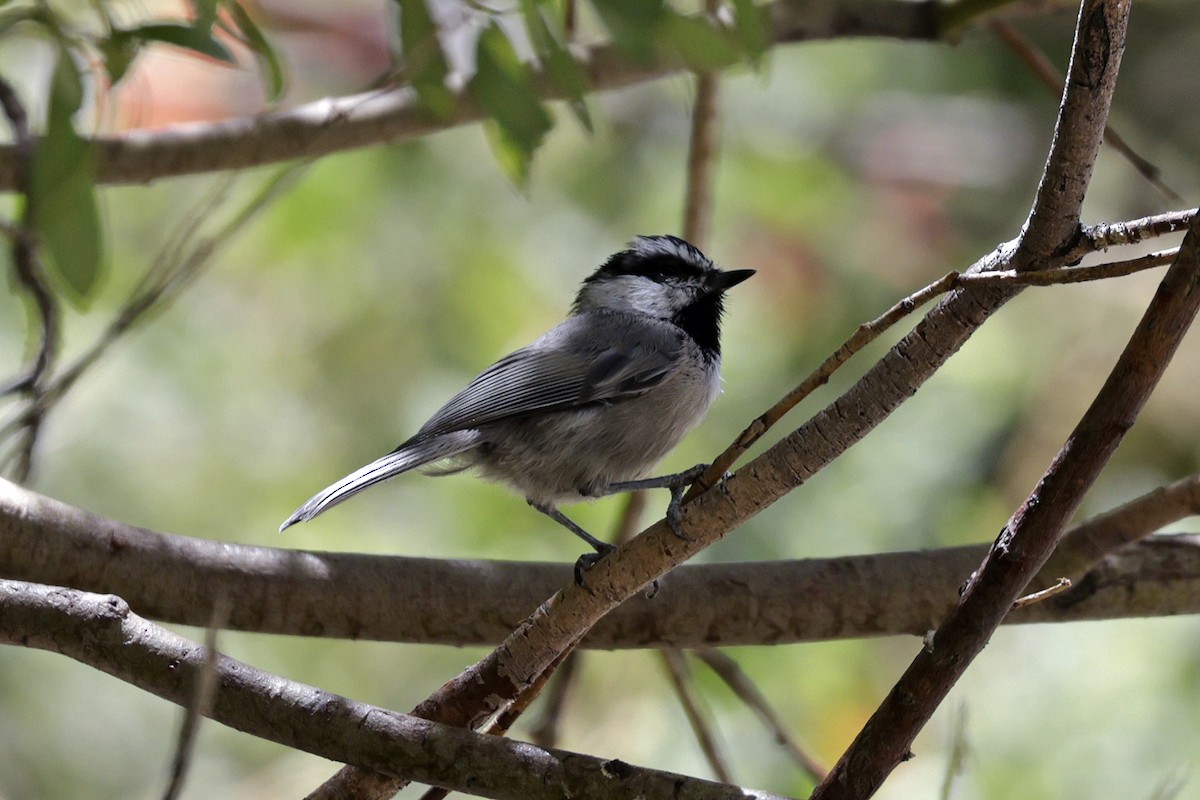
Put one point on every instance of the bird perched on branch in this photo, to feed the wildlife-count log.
(589, 408)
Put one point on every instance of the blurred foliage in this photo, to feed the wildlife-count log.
(852, 173)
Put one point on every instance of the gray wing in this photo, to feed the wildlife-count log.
(567, 368)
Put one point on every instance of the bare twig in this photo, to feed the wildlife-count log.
(1056, 588)
(102, 632)
(862, 336)
(1053, 226)
(1097, 272)
(1094, 238)
(201, 702)
(1097, 237)
(1089, 541)
(702, 726)
(30, 276)
(181, 260)
(740, 684)
(1052, 79)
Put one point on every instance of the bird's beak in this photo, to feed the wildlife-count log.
(727, 280)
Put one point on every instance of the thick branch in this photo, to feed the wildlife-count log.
(178, 579)
(100, 631)
(343, 123)
(1028, 539)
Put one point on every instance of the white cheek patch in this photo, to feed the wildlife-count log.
(633, 293)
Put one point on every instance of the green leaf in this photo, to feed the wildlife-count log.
(198, 39)
(752, 28)
(119, 50)
(634, 24)
(268, 59)
(63, 196)
(503, 88)
(701, 45)
(205, 12)
(424, 61)
(548, 39)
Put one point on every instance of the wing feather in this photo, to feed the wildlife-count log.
(566, 368)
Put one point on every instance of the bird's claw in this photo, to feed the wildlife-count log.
(589, 560)
(675, 514)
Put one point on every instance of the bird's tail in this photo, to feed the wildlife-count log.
(404, 458)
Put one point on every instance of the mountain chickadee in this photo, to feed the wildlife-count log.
(590, 407)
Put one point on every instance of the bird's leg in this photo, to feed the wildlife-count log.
(676, 482)
(587, 560)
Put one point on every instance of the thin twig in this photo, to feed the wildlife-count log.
(1052, 79)
(863, 336)
(26, 265)
(729, 671)
(1058, 587)
(703, 146)
(1053, 277)
(1095, 238)
(703, 728)
(202, 699)
(179, 263)
(31, 277)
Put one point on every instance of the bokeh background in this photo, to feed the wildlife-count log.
(851, 174)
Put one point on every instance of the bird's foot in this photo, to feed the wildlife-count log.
(589, 560)
(677, 482)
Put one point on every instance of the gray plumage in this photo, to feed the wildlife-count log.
(595, 401)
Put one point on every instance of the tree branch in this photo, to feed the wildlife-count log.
(344, 123)
(1053, 227)
(31, 277)
(1026, 542)
(175, 578)
(102, 632)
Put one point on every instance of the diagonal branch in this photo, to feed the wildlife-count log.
(1026, 542)
(31, 277)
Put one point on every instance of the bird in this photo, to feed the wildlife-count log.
(590, 407)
